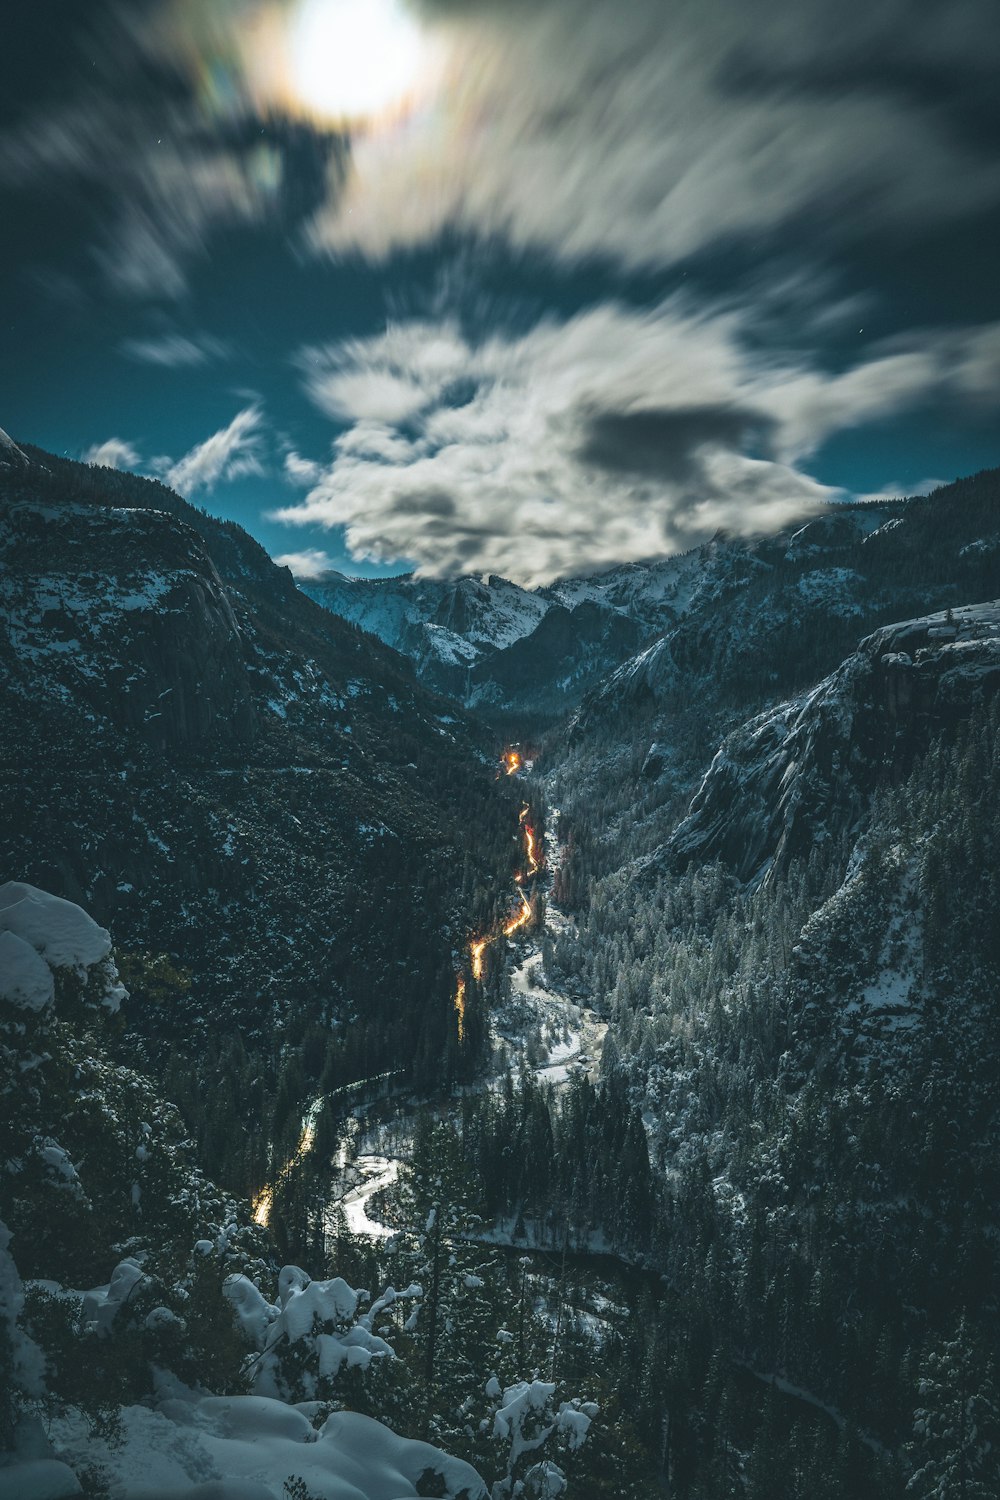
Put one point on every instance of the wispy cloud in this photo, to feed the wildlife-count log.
(175, 351)
(114, 453)
(310, 563)
(233, 451)
(614, 434)
(302, 471)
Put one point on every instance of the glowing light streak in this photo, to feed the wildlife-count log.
(521, 918)
(476, 951)
(460, 1007)
(531, 844)
(263, 1203)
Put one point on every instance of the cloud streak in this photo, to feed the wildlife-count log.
(115, 453)
(312, 562)
(175, 351)
(647, 133)
(639, 132)
(232, 452)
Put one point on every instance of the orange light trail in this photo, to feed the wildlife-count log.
(521, 918)
(264, 1201)
(478, 946)
(460, 1007)
(531, 847)
(476, 950)
(511, 762)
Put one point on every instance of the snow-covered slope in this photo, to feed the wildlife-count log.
(762, 620)
(201, 739)
(492, 644)
(455, 622)
(801, 772)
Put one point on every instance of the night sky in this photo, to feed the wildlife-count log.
(527, 287)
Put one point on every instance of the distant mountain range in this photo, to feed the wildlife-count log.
(739, 617)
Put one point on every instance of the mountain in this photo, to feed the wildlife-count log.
(804, 772)
(501, 648)
(11, 456)
(250, 791)
(742, 617)
(779, 837)
(752, 1015)
(773, 615)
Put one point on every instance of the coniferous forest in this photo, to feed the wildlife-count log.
(653, 1104)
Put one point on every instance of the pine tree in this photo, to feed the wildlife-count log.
(956, 1428)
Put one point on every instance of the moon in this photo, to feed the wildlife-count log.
(354, 60)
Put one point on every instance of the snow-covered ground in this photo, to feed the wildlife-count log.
(377, 1172)
(245, 1448)
(569, 1036)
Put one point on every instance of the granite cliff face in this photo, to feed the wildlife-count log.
(501, 648)
(803, 772)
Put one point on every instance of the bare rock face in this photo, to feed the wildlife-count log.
(656, 758)
(802, 772)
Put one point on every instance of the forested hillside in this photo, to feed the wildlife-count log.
(807, 1022)
(288, 835)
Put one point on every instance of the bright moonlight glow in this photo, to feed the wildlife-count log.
(354, 59)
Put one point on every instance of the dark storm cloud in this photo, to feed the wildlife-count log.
(153, 145)
(640, 132)
(665, 444)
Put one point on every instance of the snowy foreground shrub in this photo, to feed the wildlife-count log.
(310, 1335)
(528, 1426)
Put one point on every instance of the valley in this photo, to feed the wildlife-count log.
(635, 1048)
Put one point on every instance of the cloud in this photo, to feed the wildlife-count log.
(646, 133)
(230, 453)
(175, 351)
(614, 435)
(310, 563)
(299, 470)
(133, 137)
(115, 453)
(641, 132)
